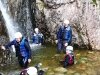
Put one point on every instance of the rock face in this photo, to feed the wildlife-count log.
(84, 17)
(3, 32)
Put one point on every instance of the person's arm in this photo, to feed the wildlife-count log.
(33, 38)
(10, 44)
(58, 35)
(41, 38)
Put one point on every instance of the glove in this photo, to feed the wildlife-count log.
(66, 44)
(29, 60)
(56, 41)
(3, 47)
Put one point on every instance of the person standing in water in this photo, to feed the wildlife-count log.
(23, 50)
(64, 36)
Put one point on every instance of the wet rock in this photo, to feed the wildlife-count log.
(84, 74)
(70, 72)
(3, 40)
(51, 73)
(91, 71)
(2, 64)
(45, 69)
(89, 65)
(59, 74)
(2, 26)
(91, 52)
(60, 70)
(75, 62)
(56, 55)
(78, 54)
(81, 67)
(76, 74)
(1, 73)
(83, 61)
(14, 73)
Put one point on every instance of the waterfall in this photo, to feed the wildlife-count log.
(10, 25)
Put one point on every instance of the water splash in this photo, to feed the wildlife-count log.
(11, 29)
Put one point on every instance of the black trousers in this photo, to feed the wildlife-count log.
(23, 62)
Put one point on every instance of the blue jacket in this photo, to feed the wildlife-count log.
(22, 49)
(67, 34)
(37, 38)
(60, 33)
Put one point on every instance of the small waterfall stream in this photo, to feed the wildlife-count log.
(10, 25)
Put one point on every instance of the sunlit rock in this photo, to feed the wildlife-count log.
(60, 69)
(76, 74)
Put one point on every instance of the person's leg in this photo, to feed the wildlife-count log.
(72, 59)
(59, 46)
(25, 62)
(64, 47)
(20, 61)
(66, 62)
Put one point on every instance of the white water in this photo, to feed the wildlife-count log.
(8, 21)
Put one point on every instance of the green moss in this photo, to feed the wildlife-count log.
(40, 5)
(95, 1)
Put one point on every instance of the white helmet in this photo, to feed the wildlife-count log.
(36, 30)
(32, 71)
(70, 48)
(66, 21)
(68, 51)
(18, 35)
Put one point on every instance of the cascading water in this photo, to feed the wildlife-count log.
(11, 28)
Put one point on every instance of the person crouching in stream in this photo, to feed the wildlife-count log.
(23, 50)
(68, 58)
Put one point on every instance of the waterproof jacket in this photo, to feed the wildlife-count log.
(64, 34)
(38, 38)
(67, 34)
(22, 49)
(60, 33)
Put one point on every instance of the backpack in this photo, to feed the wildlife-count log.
(69, 61)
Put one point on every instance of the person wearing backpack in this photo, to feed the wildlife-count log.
(68, 58)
